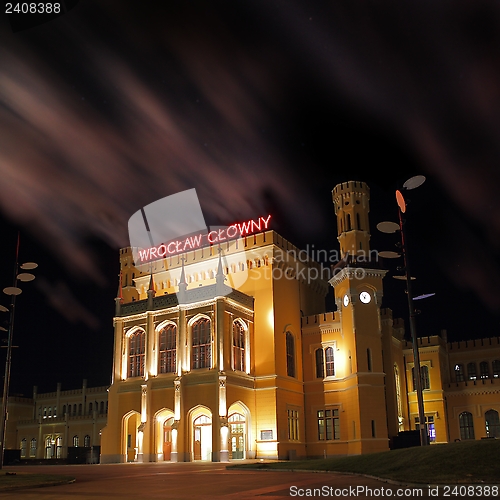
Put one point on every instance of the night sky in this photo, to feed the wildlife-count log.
(263, 106)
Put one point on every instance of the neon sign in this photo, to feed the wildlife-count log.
(237, 230)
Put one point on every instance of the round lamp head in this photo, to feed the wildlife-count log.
(12, 290)
(29, 265)
(414, 182)
(387, 254)
(387, 227)
(401, 201)
(25, 277)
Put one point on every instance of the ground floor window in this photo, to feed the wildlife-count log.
(466, 425)
(293, 425)
(33, 448)
(23, 448)
(328, 425)
(492, 424)
(429, 423)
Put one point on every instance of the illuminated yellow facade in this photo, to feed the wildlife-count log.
(226, 352)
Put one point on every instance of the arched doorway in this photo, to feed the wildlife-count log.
(202, 438)
(236, 423)
(130, 436)
(164, 420)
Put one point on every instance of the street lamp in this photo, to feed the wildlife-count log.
(13, 291)
(392, 227)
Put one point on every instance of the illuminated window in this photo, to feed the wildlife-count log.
(75, 441)
(484, 369)
(33, 448)
(492, 424)
(466, 425)
(293, 425)
(471, 371)
(325, 365)
(239, 355)
(398, 397)
(23, 448)
(168, 349)
(431, 430)
(424, 376)
(459, 373)
(201, 344)
(136, 353)
(328, 425)
(496, 368)
(86, 441)
(290, 354)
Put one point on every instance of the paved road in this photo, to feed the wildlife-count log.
(185, 481)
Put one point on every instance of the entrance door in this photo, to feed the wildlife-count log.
(167, 438)
(202, 438)
(237, 436)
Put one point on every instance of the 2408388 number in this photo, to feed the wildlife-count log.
(33, 8)
(470, 491)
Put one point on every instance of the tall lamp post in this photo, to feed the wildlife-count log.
(13, 291)
(392, 227)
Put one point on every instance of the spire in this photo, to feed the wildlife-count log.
(119, 296)
(151, 284)
(182, 283)
(220, 277)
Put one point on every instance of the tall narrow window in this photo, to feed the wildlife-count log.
(369, 359)
(90, 408)
(239, 347)
(76, 440)
(492, 424)
(424, 377)
(328, 425)
(201, 344)
(471, 371)
(101, 408)
(33, 448)
(167, 348)
(86, 441)
(459, 373)
(358, 220)
(23, 448)
(329, 362)
(290, 354)
(496, 368)
(136, 353)
(484, 370)
(320, 367)
(293, 425)
(398, 397)
(349, 222)
(466, 425)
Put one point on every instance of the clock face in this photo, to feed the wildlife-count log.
(365, 297)
(346, 300)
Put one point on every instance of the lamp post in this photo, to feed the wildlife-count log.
(13, 291)
(391, 227)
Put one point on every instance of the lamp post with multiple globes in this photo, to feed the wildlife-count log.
(392, 227)
(13, 291)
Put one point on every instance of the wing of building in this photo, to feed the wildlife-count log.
(226, 352)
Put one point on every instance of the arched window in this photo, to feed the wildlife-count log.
(484, 369)
(239, 355)
(466, 425)
(496, 368)
(348, 222)
(320, 364)
(290, 354)
(33, 448)
(329, 364)
(86, 441)
(471, 371)
(492, 424)
(459, 373)
(101, 408)
(90, 408)
(398, 397)
(74, 410)
(168, 349)
(64, 410)
(136, 353)
(80, 409)
(23, 448)
(201, 344)
(75, 441)
(358, 220)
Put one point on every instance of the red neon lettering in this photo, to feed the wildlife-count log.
(221, 232)
(169, 245)
(254, 224)
(266, 221)
(187, 244)
(177, 246)
(244, 227)
(211, 241)
(153, 251)
(235, 231)
(144, 254)
(196, 241)
(163, 252)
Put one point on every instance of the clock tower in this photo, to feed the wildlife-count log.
(357, 284)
